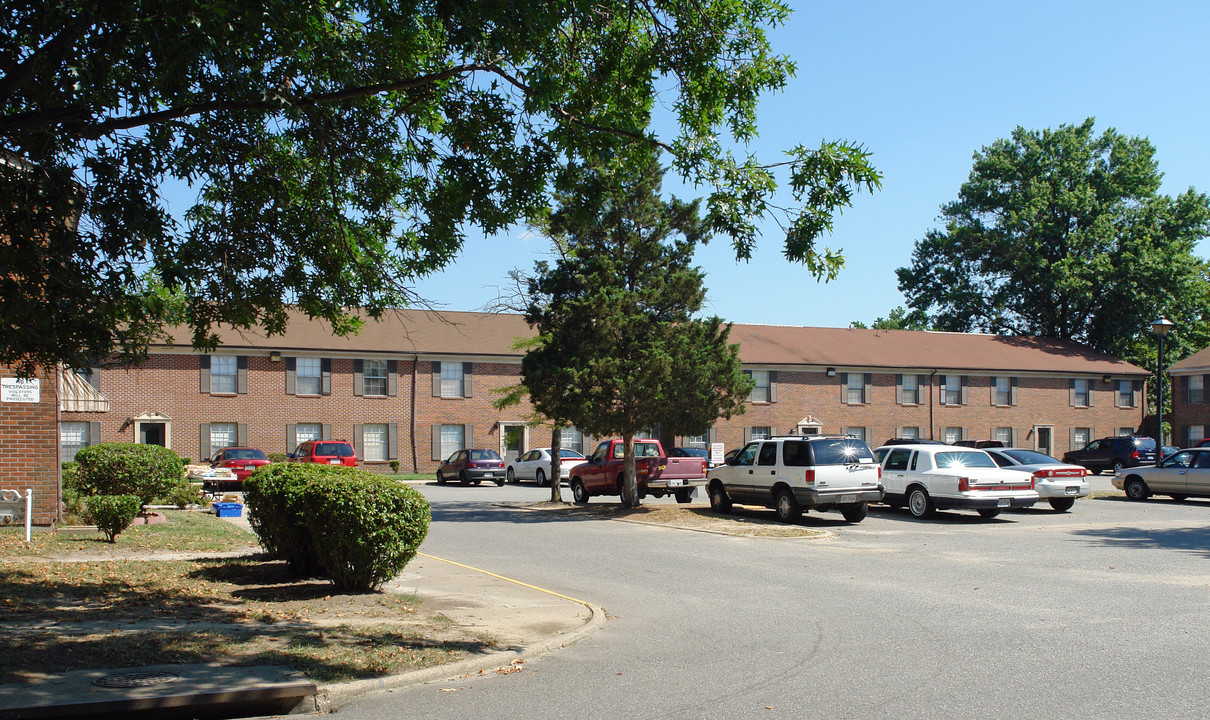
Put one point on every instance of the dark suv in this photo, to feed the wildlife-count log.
(1114, 453)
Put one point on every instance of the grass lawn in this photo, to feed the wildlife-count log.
(72, 602)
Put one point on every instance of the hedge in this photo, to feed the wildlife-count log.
(146, 471)
(354, 527)
(113, 513)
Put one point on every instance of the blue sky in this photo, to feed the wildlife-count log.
(923, 86)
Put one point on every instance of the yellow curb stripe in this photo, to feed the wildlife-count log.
(507, 579)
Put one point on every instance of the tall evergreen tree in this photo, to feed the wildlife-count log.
(622, 348)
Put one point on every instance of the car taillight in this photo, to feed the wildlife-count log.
(810, 476)
(1134, 455)
(879, 472)
(964, 484)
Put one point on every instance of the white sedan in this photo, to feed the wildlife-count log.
(1056, 482)
(535, 465)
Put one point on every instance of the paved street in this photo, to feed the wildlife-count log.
(1097, 613)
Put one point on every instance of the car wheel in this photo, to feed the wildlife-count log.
(788, 509)
(440, 478)
(541, 477)
(462, 478)
(1117, 466)
(578, 493)
(1180, 498)
(720, 502)
(919, 503)
(989, 513)
(855, 513)
(512, 476)
(685, 495)
(476, 482)
(1136, 490)
(500, 482)
(1062, 504)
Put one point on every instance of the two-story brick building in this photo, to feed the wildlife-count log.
(418, 385)
(1190, 400)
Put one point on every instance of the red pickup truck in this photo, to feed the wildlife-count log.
(655, 473)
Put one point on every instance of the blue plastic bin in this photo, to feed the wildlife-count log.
(228, 509)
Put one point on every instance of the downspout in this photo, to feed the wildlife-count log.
(932, 436)
(415, 367)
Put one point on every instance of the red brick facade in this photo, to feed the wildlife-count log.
(1190, 420)
(168, 389)
(29, 446)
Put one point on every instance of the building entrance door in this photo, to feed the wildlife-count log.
(512, 441)
(152, 433)
(1044, 439)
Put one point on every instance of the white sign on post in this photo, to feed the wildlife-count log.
(716, 453)
(20, 390)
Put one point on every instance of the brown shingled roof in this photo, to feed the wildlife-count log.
(1197, 361)
(485, 334)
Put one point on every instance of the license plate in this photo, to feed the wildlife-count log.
(844, 499)
(675, 482)
(333, 462)
(1004, 502)
(487, 475)
(1073, 491)
(250, 468)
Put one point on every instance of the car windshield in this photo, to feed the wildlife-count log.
(247, 454)
(964, 460)
(484, 455)
(571, 454)
(1029, 457)
(334, 449)
(837, 451)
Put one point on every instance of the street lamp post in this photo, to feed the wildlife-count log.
(1161, 328)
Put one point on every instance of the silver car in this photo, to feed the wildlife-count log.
(1056, 482)
(1180, 475)
(535, 465)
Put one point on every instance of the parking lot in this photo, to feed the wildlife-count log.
(1098, 612)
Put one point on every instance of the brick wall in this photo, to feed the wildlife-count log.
(1186, 414)
(29, 447)
(169, 384)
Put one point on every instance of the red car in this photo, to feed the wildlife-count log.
(325, 452)
(243, 461)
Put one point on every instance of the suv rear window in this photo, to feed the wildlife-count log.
(830, 451)
(1144, 443)
(334, 449)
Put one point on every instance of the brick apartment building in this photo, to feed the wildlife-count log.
(1190, 399)
(418, 385)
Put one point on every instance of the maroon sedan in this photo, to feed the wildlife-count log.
(472, 467)
(242, 461)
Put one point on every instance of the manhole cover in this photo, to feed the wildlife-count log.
(136, 679)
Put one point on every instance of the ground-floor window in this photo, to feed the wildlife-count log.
(223, 435)
(451, 439)
(1080, 437)
(307, 431)
(374, 441)
(952, 435)
(571, 439)
(909, 433)
(760, 432)
(695, 441)
(1197, 433)
(1004, 435)
(857, 432)
(72, 437)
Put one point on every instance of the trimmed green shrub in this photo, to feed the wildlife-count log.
(395, 466)
(113, 513)
(271, 495)
(365, 528)
(147, 471)
(184, 494)
(277, 457)
(73, 502)
(353, 527)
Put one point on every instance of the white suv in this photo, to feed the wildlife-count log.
(790, 474)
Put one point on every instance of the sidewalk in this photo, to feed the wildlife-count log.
(524, 620)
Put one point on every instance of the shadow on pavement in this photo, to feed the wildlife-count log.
(1187, 539)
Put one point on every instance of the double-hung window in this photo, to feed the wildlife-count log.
(309, 376)
(223, 435)
(1080, 393)
(1004, 391)
(760, 391)
(374, 442)
(1197, 392)
(855, 388)
(451, 379)
(910, 390)
(374, 377)
(451, 439)
(224, 374)
(952, 392)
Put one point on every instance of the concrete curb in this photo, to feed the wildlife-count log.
(332, 697)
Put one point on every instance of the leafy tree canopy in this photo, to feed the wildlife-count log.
(622, 348)
(1064, 234)
(898, 319)
(340, 149)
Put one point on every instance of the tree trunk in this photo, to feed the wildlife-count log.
(630, 486)
(556, 464)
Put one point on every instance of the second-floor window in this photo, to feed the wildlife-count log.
(374, 377)
(1004, 391)
(451, 379)
(309, 377)
(1197, 391)
(951, 393)
(855, 388)
(760, 393)
(911, 390)
(224, 373)
(1125, 393)
(1080, 393)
